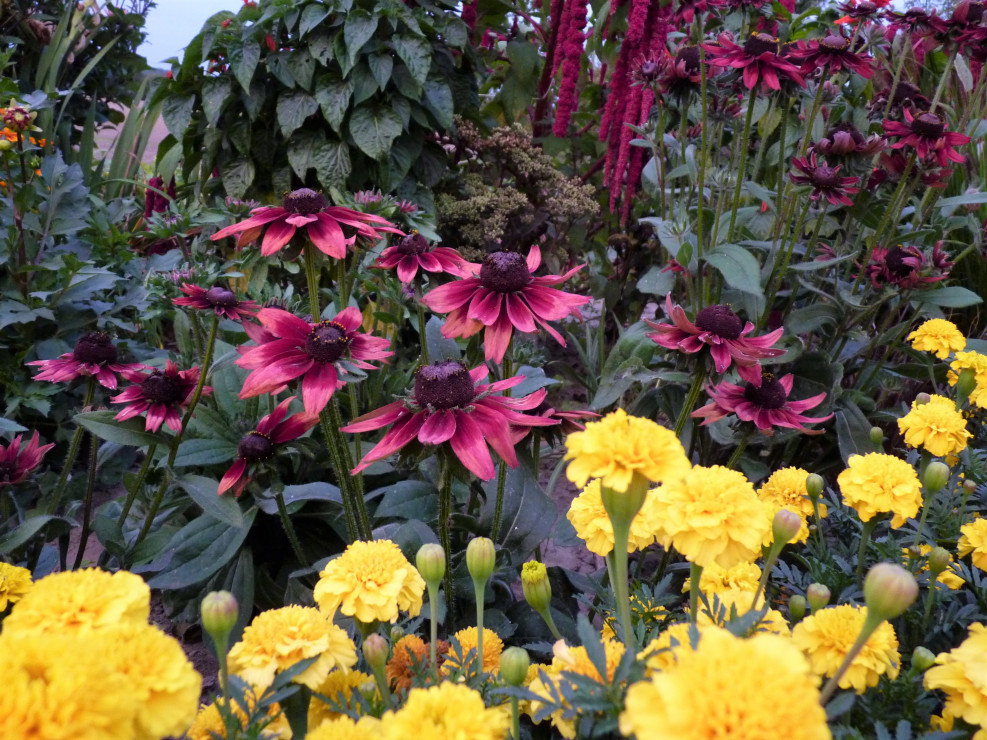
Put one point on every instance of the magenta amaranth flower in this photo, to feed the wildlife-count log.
(505, 296)
(222, 301)
(17, 460)
(927, 132)
(831, 54)
(759, 59)
(906, 266)
(157, 197)
(845, 140)
(413, 252)
(766, 405)
(94, 354)
(450, 404)
(825, 181)
(309, 210)
(720, 329)
(260, 445)
(289, 348)
(161, 394)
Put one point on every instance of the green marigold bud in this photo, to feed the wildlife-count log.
(877, 436)
(922, 398)
(889, 590)
(514, 665)
(936, 477)
(219, 613)
(966, 384)
(939, 560)
(923, 658)
(375, 650)
(481, 558)
(796, 607)
(431, 563)
(536, 586)
(814, 485)
(396, 633)
(785, 526)
(969, 487)
(817, 595)
(5, 144)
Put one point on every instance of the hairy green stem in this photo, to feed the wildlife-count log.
(73, 452)
(135, 489)
(87, 503)
(445, 511)
(690, 399)
(289, 528)
(743, 162)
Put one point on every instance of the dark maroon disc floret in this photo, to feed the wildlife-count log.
(413, 243)
(721, 321)
(444, 385)
(327, 341)
(221, 297)
(690, 56)
(305, 202)
(159, 388)
(928, 125)
(760, 43)
(95, 347)
(255, 447)
(771, 394)
(505, 272)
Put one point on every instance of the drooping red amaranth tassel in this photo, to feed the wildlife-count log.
(568, 96)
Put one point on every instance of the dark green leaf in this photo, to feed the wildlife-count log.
(357, 31)
(302, 67)
(243, 61)
(852, 430)
(199, 550)
(293, 108)
(204, 452)
(320, 47)
(416, 53)
(305, 492)
(333, 95)
(525, 62)
(740, 268)
(237, 176)
(30, 528)
(409, 499)
(215, 91)
(332, 163)
(954, 296)
(381, 66)
(203, 491)
(177, 113)
(656, 281)
(438, 99)
(374, 129)
(311, 17)
(130, 432)
(301, 149)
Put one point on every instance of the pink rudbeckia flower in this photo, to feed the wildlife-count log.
(309, 210)
(766, 405)
(413, 252)
(759, 58)
(928, 133)
(260, 445)
(221, 301)
(504, 296)
(720, 329)
(162, 394)
(289, 348)
(94, 354)
(17, 460)
(450, 404)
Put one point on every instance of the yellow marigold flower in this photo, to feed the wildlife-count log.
(645, 611)
(659, 654)
(876, 483)
(278, 638)
(409, 651)
(976, 362)
(735, 601)
(593, 526)
(448, 710)
(370, 580)
(344, 728)
(973, 542)
(785, 489)
(338, 686)
(81, 600)
(716, 579)
(728, 687)
(947, 578)
(939, 336)
(618, 447)
(208, 724)
(937, 426)
(960, 675)
(711, 515)
(827, 635)
(14, 583)
(493, 646)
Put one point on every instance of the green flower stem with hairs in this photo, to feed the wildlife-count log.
(695, 573)
(87, 503)
(73, 452)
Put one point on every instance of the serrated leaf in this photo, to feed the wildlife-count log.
(293, 108)
(176, 112)
(332, 163)
(739, 268)
(374, 130)
(215, 91)
(357, 31)
(237, 176)
(130, 432)
(438, 100)
(416, 53)
(333, 96)
(243, 61)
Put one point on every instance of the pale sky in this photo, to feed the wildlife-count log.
(173, 23)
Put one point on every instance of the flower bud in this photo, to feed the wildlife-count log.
(889, 590)
(431, 563)
(923, 658)
(785, 526)
(814, 485)
(796, 607)
(5, 144)
(969, 487)
(536, 586)
(219, 613)
(939, 560)
(375, 650)
(877, 437)
(396, 633)
(922, 398)
(966, 383)
(936, 477)
(514, 665)
(817, 595)
(481, 558)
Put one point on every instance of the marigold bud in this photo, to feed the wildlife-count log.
(814, 485)
(965, 385)
(817, 595)
(889, 590)
(219, 613)
(876, 436)
(923, 658)
(936, 477)
(939, 560)
(536, 586)
(785, 526)
(375, 650)
(514, 665)
(922, 398)
(431, 563)
(396, 633)
(5, 144)
(796, 607)
(481, 558)
(969, 487)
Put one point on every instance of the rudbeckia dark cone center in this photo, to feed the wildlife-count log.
(895, 260)
(721, 321)
(413, 244)
(7, 471)
(866, 7)
(444, 385)
(162, 389)
(327, 342)
(974, 13)
(95, 347)
(834, 44)
(825, 177)
(305, 202)
(689, 55)
(221, 297)
(771, 394)
(928, 125)
(505, 272)
(649, 70)
(760, 43)
(255, 447)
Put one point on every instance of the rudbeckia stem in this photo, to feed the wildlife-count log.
(135, 489)
(312, 277)
(743, 162)
(445, 511)
(813, 112)
(72, 453)
(902, 56)
(421, 333)
(700, 221)
(289, 528)
(87, 503)
(946, 74)
(508, 371)
(330, 433)
(690, 399)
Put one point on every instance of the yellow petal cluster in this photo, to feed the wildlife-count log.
(876, 483)
(618, 447)
(659, 654)
(960, 675)
(732, 601)
(493, 646)
(973, 542)
(592, 524)
(278, 638)
(409, 652)
(827, 635)
(370, 581)
(14, 583)
(447, 710)
(711, 515)
(208, 724)
(785, 489)
(978, 363)
(716, 579)
(344, 728)
(744, 689)
(338, 686)
(937, 426)
(938, 336)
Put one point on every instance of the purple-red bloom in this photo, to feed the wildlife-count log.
(831, 54)
(260, 445)
(94, 354)
(759, 58)
(681, 75)
(766, 405)
(161, 394)
(289, 348)
(413, 252)
(825, 181)
(505, 296)
(927, 132)
(720, 329)
(222, 301)
(904, 266)
(845, 140)
(450, 404)
(17, 460)
(309, 210)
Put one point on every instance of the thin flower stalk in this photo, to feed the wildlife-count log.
(87, 501)
(743, 162)
(695, 574)
(289, 528)
(445, 511)
(507, 371)
(701, 298)
(73, 451)
(871, 623)
(135, 489)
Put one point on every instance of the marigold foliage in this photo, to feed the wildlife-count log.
(938, 336)
(493, 646)
(14, 583)
(208, 724)
(659, 655)
(937, 426)
(785, 489)
(827, 635)
(592, 524)
(338, 686)
(735, 601)
(960, 675)
(370, 580)
(876, 483)
(728, 687)
(446, 710)
(973, 542)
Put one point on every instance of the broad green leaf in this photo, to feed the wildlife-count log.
(409, 499)
(381, 66)
(810, 318)
(357, 31)
(374, 130)
(177, 113)
(199, 550)
(333, 96)
(204, 452)
(311, 17)
(215, 91)
(30, 528)
(525, 62)
(739, 268)
(954, 296)
(237, 175)
(852, 430)
(302, 67)
(130, 432)
(204, 492)
(293, 108)
(416, 53)
(320, 47)
(243, 61)
(332, 163)
(301, 149)
(295, 494)
(656, 281)
(438, 99)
